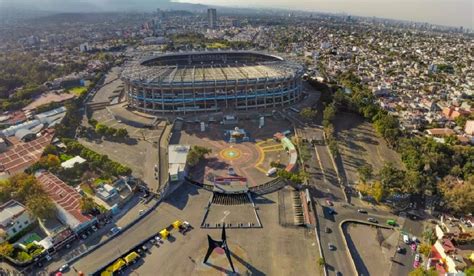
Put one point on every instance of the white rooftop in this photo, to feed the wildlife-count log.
(68, 164)
(9, 210)
(177, 154)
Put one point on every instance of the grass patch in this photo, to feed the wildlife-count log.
(99, 180)
(64, 157)
(87, 189)
(78, 91)
(216, 45)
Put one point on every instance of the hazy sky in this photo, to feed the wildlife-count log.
(444, 12)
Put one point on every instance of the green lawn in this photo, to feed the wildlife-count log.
(87, 189)
(99, 180)
(78, 91)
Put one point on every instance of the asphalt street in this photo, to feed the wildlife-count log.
(325, 185)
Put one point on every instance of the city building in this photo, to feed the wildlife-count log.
(13, 218)
(212, 18)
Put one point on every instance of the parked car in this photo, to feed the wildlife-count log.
(115, 230)
(372, 220)
(406, 239)
(331, 246)
(64, 268)
(362, 211)
(417, 257)
(327, 230)
(329, 202)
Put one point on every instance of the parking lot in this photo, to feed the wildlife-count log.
(272, 250)
(139, 152)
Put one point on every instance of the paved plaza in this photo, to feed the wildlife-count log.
(250, 159)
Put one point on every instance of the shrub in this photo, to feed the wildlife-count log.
(23, 257)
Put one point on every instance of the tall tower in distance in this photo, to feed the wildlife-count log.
(212, 18)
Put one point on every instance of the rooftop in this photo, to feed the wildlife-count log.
(71, 162)
(177, 154)
(9, 211)
(66, 198)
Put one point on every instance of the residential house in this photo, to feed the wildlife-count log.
(13, 218)
(67, 200)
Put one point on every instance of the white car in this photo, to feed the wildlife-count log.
(64, 268)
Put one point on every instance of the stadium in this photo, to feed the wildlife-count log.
(181, 83)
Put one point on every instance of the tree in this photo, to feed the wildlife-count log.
(377, 191)
(41, 206)
(87, 205)
(458, 194)
(391, 178)
(321, 262)
(420, 271)
(469, 271)
(308, 113)
(93, 122)
(424, 249)
(49, 161)
(365, 172)
(328, 114)
(101, 129)
(111, 131)
(413, 182)
(6, 249)
(429, 236)
(50, 149)
(121, 133)
(196, 154)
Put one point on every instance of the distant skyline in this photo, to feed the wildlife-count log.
(443, 12)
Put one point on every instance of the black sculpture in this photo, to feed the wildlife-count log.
(221, 244)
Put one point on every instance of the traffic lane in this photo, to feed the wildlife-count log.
(403, 262)
(336, 260)
(327, 164)
(124, 242)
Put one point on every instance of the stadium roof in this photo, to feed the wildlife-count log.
(209, 72)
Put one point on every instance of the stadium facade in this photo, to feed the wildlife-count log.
(181, 83)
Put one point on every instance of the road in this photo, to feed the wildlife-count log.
(324, 184)
(167, 212)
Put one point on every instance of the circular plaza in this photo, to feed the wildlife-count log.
(246, 159)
